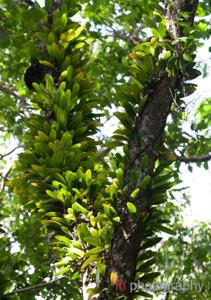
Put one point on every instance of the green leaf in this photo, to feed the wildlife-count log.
(148, 65)
(158, 199)
(161, 30)
(69, 73)
(163, 178)
(187, 57)
(51, 223)
(145, 182)
(166, 55)
(137, 85)
(79, 208)
(144, 294)
(122, 132)
(63, 271)
(145, 265)
(120, 137)
(51, 194)
(70, 177)
(64, 239)
(116, 219)
(63, 20)
(151, 242)
(75, 90)
(89, 260)
(124, 119)
(149, 21)
(60, 178)
(114, 144)
(161, 167)
(95, 250)
(162, 188)
(135, 193)
(158, 17)
(166, 229)
(146, 255)
(73, 34)
(82, 231)
(70, 216)
(76, 251)
(149, 276)
(193, 73)
(66, 140)
(88, 177)
(92, 241)
(131, 207)
(120, 176)
(63, 261)
(155, 33)
(61, 116)
(49, 83)
(129, 108)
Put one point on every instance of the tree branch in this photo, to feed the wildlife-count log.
(5, 176)
(8, 153)
(7, 90)
(56, 4)
(30, 3)
(193, 159)
(4, 179)
(35, 287)
(127, 37)
(146, 140)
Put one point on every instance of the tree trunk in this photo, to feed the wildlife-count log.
(149, 126)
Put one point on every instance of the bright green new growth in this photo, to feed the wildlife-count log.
(62, 177)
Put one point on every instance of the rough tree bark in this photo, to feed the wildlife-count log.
(150, 126)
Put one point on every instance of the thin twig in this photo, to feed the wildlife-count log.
(4, 179)
(193, 159)
(174, 99)
(8, 153)
(35, 287)
(127, 37)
